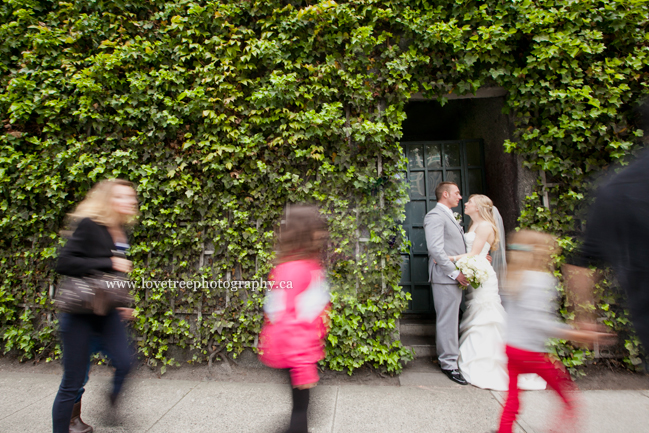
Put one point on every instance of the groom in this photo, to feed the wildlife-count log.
(444, 237)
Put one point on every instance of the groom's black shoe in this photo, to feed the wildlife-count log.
(455, 376)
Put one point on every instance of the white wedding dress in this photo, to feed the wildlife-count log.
(482, 358)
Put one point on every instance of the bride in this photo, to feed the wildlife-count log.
(482, 358)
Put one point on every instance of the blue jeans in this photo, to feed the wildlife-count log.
(77, 331)
(95, 347)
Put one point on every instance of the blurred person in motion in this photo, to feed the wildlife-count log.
(530, 291)
(296, 307)
(100, 219)
(76, 423)
(617, 235)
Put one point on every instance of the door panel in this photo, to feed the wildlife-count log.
(451, 155)
(418, 240)
(417, 185)
(433, 155)
(405, 269)
(454, 176)
(434, 179)
(421, 299)
(420, 268)
(415, 212)
(416, 156)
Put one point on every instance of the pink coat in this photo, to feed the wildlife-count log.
(295, 314)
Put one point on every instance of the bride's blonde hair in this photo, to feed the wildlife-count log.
(485, 208)
(98, 205)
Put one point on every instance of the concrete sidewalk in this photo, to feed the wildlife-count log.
(424, 402)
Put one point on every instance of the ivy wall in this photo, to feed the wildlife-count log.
(222, 112)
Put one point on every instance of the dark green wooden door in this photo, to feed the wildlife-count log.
(429, 163)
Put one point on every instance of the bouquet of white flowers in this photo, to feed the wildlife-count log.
(475, 269)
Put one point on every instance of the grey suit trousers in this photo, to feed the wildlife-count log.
(447, 299)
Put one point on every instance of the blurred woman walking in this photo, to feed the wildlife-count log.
(100, 219)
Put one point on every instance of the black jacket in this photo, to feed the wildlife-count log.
(89, 249)
(617, 234)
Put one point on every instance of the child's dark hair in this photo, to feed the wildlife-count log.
(302, 234)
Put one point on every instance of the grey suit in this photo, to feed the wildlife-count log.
(444, 237)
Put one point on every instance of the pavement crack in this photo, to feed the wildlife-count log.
(333, 420)
(29, 405)
(174, 405)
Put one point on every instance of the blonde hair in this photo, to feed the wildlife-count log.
(528, 250)
(486, 211)
(98, 207)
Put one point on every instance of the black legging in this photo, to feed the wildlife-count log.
(76, 332)
(299, 414)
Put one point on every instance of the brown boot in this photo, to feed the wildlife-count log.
(76, 425)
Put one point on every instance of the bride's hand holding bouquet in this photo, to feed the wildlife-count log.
(474, 268)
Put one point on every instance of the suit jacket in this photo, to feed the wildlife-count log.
(90, 248)
(444, 237)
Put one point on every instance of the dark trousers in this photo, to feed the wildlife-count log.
(77, 331)
(95, 347)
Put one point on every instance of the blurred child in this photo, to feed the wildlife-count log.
(295, 308)
(531, 321)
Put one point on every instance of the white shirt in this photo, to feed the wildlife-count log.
(450, 212)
